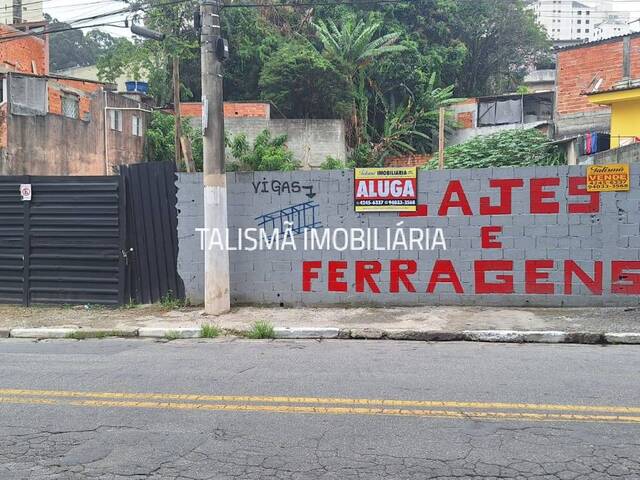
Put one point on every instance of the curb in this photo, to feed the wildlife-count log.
(320, 333)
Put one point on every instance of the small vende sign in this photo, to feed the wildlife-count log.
(386, 189)
(608, 178)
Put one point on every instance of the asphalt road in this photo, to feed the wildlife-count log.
(224, 409)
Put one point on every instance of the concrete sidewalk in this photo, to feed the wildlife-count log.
(547, 325)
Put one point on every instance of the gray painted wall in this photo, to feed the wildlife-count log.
(626, 154)
(275, 277)
(310, 140)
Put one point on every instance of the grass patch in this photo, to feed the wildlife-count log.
(210, 331)
(261, 329)
(171, 302)
(172, 335)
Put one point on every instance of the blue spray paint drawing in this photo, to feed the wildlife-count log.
(298, 217)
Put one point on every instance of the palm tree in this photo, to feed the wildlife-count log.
(352, 48)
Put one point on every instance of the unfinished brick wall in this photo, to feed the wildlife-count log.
(579, 67)
(408, 160)
(22, 54)
(56, 88)
(465, 119)
(231, 109)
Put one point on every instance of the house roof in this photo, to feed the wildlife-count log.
(617, 38)
(515, 95)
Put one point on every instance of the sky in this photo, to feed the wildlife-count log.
(69, 10)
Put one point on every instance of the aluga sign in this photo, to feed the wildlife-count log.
(385, 189)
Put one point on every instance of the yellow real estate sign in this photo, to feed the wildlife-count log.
(608, 178)
(386, 189)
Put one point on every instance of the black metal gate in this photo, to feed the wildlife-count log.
(66, 244)
(152, 232)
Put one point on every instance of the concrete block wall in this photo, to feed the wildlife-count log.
(310, 140)
(191, 216)
(545, 249)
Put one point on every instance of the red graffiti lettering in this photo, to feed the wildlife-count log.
(504, 283)
(593, 284)
(444, 272)
(489, 235)
(454, 188)
(400, 271)
(506, 187)
(622, 281)
(538, 195)
(533, 275)
(364, 273)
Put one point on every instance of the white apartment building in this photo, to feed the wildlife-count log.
(575, 21)
(21, 11)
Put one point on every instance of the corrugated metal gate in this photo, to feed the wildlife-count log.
(152, 232)
(65, 245)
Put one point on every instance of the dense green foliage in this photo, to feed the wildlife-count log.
(73, 48)
(510, 148)
(160, 146)
(266, 153)
(383, 67)
(303, 84)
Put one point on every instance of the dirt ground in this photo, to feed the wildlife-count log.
(415, 318)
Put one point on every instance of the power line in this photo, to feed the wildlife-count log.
(137, 7)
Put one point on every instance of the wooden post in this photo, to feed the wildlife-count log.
(176, 109)
(441, 139)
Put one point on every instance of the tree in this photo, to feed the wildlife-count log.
(352, 48)
(72, 48)
(303, 84)
(502, 39)
(252, 41)
(160, 143)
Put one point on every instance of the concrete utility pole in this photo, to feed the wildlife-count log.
(176, 109)
(216, 261)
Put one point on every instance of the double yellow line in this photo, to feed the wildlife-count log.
(328, 406)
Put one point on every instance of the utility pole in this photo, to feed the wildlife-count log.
(176, 109)
(441, 139)
(216, 260)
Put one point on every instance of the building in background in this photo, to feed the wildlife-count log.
(90, 72)
(15, 12)
(570, 21)
(310, 140)
(56, 125)
(482, 116)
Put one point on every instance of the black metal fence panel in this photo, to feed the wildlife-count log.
(12, 240)
(65, 245)
(152, 232)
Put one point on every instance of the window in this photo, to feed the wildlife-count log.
(579, 30)
(587, 21)
(586, 30)
(115, 117)
(136, 126)
(579, 22)
(70, 106)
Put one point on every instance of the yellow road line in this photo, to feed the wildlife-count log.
(320, 400)
(28, 401)
(451, 414)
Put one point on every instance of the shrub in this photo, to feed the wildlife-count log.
(511, 148)
(267, 154)
(261, 329)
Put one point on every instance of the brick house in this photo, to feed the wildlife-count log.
(588, 68)
(55, 125)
